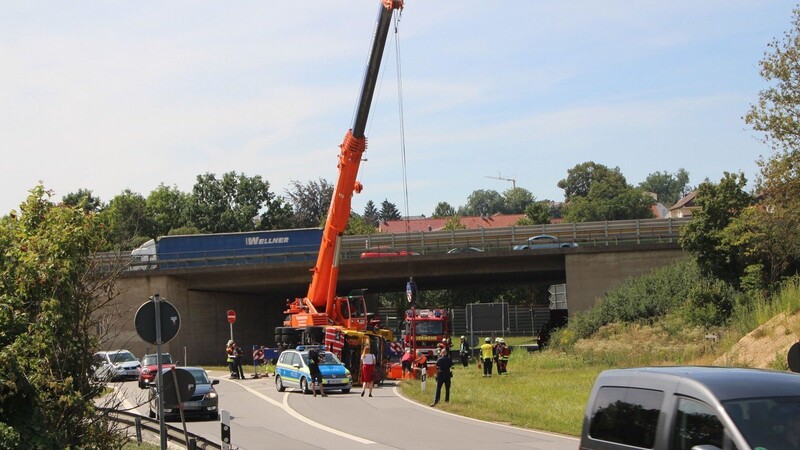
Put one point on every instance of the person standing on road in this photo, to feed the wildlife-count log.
(367, 371)
(230, 350)
(444, 375)
(463, 351)
(406, 363)
(487, 355)
(314, 357)
(237, 361)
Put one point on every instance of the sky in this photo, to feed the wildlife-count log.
(116, 95)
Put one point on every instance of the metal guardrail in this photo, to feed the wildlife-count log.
(619, 232)
(607, 233)
(174, 434)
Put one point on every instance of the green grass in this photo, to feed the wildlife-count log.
(542, 391)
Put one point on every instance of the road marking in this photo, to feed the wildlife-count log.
(285, 406)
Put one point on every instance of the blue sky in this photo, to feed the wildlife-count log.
(114, 95)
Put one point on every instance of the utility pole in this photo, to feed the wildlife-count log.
(512, 180)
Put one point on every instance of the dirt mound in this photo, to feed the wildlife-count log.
(766, 346)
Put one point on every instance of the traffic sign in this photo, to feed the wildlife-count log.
(145, 321)
(231, 316)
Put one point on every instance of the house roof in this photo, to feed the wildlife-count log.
(685, 202)
(437, 224)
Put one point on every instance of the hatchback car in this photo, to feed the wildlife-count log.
(150, 367)
(292, 371)
(544, 241)
(684, 408)
(204, 403)
(116, 365)
(465, 250)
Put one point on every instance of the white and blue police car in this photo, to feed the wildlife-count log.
(292, 371)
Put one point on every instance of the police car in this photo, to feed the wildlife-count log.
(292, 371)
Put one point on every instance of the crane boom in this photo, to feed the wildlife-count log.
(325, 274)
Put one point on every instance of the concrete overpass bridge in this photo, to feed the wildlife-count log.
(258, 292)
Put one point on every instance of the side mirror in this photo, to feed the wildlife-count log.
(296, 365)
(214, 381)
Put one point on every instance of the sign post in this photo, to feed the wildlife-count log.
(231, 320)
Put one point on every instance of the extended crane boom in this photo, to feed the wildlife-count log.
(322, 290)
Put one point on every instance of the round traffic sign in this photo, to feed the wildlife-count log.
(231, 316)
(145, 321)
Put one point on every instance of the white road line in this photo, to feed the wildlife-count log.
(285, 406)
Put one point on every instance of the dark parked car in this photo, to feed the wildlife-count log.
(684, 408)
(204, 402)
(543, 241)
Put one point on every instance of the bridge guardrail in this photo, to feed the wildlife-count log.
(608, 233)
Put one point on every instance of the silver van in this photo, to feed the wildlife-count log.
(693, 408)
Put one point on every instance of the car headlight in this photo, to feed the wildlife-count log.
(211, 395)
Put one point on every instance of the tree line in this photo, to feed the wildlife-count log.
(235, 202)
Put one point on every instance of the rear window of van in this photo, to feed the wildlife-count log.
(626, 416)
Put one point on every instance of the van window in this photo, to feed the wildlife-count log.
(626, 416)
(696, 424)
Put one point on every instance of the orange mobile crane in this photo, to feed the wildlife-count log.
(322, 317)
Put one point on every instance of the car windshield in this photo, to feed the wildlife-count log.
(121, 357)
(426, 328)
(766, 421)
(330, 358)
(150, 360)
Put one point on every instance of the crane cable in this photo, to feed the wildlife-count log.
(402, 141)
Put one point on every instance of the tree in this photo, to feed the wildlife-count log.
(127, 221)
(359, 225)
(669, 188)
(515, 200)
(454, 223)
(310, 202)
(371, 215)
(580, 179)
(443, 209)
(777, 113)
(229, 204)
(597, 193)
(49, 290)
(483, 202)
(83, 199)
(538, 213)
(389, 211)
(168, 209)
(704, 236)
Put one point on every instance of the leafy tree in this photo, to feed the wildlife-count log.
(228, 204)
(538, 213)
(310, 202)
(597, 193)
(704, 236)
(515, 200)
(389, 211)
(127, 221)
(454, 223)
(777, 112)
(443, 209)
(483, 201)
(371, 215)
(168, 208)
(582, 177)
(359, 225)
(84, 199)
(49, 290)
(668, 187)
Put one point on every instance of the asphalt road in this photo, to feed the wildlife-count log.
(263, 418)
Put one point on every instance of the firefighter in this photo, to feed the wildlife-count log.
(502, 357)
(463, 351)
(486, 355)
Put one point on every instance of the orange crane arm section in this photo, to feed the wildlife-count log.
(322, 289)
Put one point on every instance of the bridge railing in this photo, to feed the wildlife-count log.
(621, 232)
